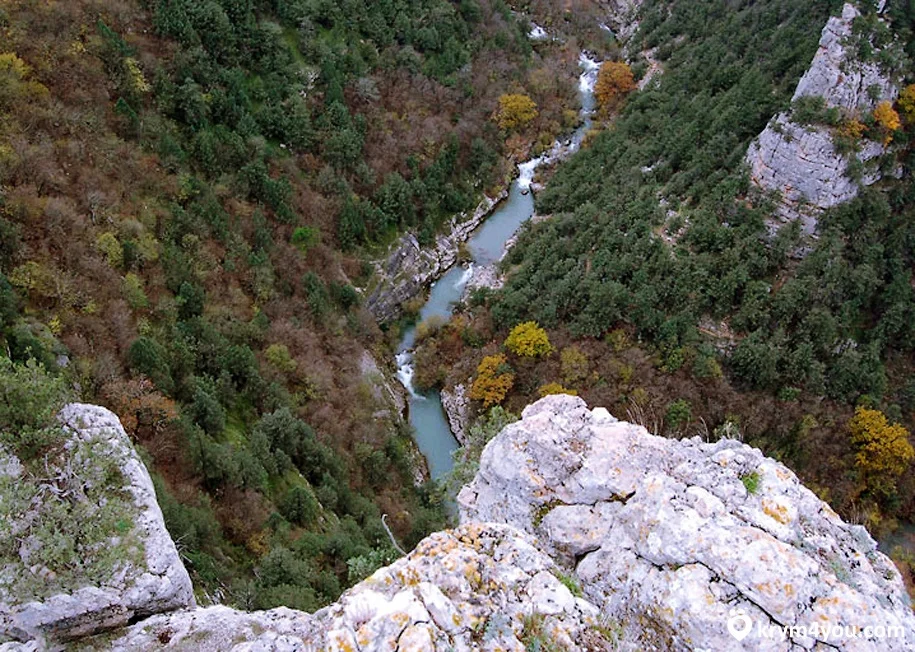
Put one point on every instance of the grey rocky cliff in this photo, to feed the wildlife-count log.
(800, 161)
(158, 584)
(587, 533)
(622, 17)
(666, 539)
(409, 267)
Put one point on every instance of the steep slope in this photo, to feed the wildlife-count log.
(581, 532)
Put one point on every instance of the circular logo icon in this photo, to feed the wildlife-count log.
(739, 624)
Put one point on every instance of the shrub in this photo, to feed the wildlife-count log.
(555, 388)
(305, 237)
(494, 380)
(299, 506)
(148, 357)
(573, 366)
(133, 292)
(678, 414)
(751, 481)
(528, 340)
(887, 119)
(30, 399)
(884, 451)
(515, 111)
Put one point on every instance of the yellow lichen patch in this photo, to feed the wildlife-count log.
(776, 511)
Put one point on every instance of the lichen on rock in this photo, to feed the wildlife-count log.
(93, 502)
(665, 537)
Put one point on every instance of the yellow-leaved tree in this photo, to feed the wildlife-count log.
(887, 120)
(614, 82)
(907, 103)
(555, 388)
(515, 110)
(494, 380)
(884, 451)
(528, 340)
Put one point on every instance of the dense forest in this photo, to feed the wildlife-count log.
(668, 297)
(191, 192)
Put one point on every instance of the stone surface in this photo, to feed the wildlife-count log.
(579, 532)
(473, 588)
(456, 404)
(409, 267)
(800, 162)
(160, 584)
(666, 539)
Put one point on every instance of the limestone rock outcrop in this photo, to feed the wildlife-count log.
(479, 587)
(579, 532)
(409, 267)
(158, 583)
(671, 539)
(800, 161)
(456, 404)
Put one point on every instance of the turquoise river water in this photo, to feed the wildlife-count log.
(487, 245)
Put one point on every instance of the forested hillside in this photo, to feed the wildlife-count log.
(189, 192)
(667, 293)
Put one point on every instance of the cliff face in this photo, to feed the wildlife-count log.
(409, 267)
(586, 533)
(801, 161)
(152, 582)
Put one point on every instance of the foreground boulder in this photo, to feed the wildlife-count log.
(479, 587)
(674, 539)
(579, 532)
(145, 576)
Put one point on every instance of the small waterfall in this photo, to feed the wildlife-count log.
(405, 373)
(588, 78)
(465, 277)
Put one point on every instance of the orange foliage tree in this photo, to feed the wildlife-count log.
(887, 120)
(515, 110)
(494, 380)
(884, 451)
(614, 81)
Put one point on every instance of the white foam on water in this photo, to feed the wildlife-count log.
(537, 33)
(588, 78)
(405, 373)
(465, 277)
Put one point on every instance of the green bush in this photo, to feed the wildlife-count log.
(30, 399)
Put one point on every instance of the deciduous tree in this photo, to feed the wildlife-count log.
(614, 81)
(515, 111)
(528, 340)
(494, 380)
(884, 451)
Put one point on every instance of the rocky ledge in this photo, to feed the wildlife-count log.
(800, 162)
(153, 582)
(581, 532)
(670, 539)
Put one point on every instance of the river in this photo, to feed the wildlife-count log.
(487, 244)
